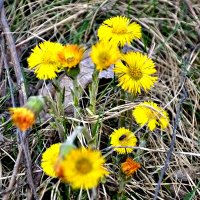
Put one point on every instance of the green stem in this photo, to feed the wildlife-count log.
(122, 185)
(94, 91)
(76, 93)
(143, 142)
(57, 117)
(122, 116)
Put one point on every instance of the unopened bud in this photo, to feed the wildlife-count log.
(35, 103)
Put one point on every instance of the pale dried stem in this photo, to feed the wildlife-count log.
(14, 57)
(14, 174)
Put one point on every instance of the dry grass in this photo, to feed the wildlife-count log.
(170, 36)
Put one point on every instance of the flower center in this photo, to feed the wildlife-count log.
(48, 60)
(119, 29)
(103, 57)
(135, 73)
(83, 166)
(70, 59)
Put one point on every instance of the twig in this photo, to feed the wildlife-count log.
(19, 156)
(111, 149)
(13, 188)
(170, 152)
(14, 57)
(24, 145)
(14, 174)
(22, 99)
(7, 71)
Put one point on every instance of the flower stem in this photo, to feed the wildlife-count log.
(57, 109)
(122, 116)
(142, 143)
(94, 91)
(122, 185)
(76, 93)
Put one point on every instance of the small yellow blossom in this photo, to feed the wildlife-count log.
(44, 60)
(83, 168)
(134, 72)
(151, 114)
(22, 117)
(129, 167)
(104, 54)
(123, 137)
(71, 55)
(50, 159)
(119, 31)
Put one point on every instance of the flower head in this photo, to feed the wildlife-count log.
(123, 137)
(134, 72)
(151, 114)
(44, 60)
(22, 117)
(104, 54)
(49, 160)
(119, 31)
(71, 55)
(84, 168)
(129, 167)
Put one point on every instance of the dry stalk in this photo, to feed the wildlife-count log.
(170, 152)
(22, 100)
(14, 174)
(14, 57)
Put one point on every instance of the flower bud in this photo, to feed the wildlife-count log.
(35, 103)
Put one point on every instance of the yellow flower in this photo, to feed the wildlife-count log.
(49, 160)
(44, 60)
(119, 31)
(123, 137)
(71, 55)
(129, 167)
(151, 114)
(83, 168)
(104, 54)
(134, 72)
(23, 118)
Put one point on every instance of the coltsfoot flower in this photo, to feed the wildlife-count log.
(119, 31)
(104, 54)
(44, 60)
(22, 117)
(123, 137)
(50, 159)
(151, 114)
(71, 55)
(134, 72)
(129, 167)
(83, 168)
